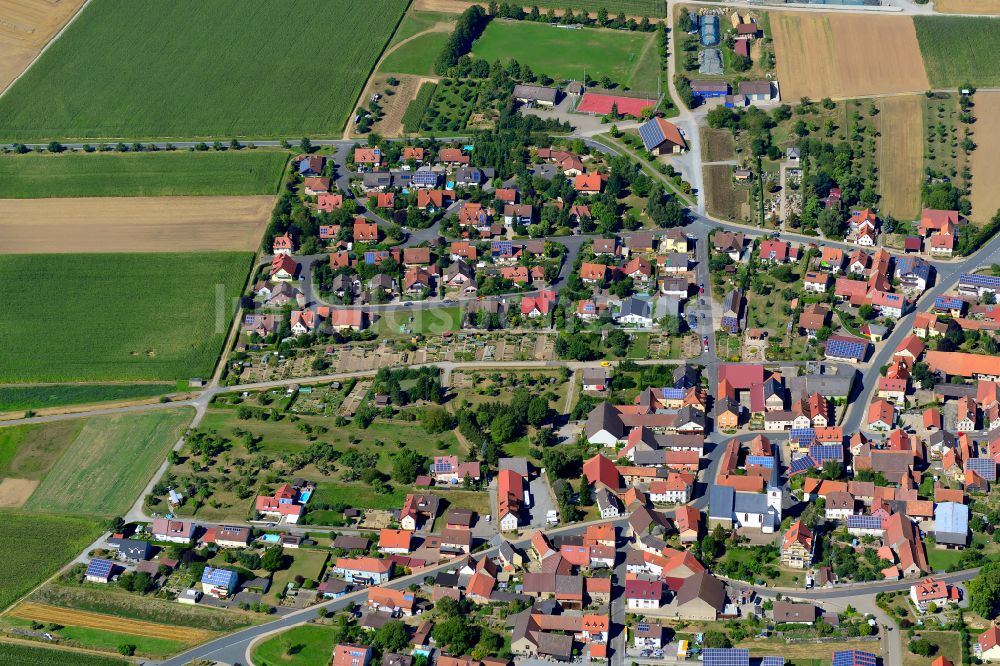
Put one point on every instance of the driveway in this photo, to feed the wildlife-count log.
(542, 500)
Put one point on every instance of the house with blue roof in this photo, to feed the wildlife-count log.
(661, 137)
(99, 571)
(218, 583)
(913, 272)
(978, 284)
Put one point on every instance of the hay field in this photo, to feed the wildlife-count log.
(107, 466)
(26, 26)
(818, 55)
(78, 618)
(900, 155)
(967, 6)
(133, 224)
(985, 165)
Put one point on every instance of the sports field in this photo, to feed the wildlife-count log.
(628, 58)
(25, 28)
(140, 69)
(33, 547)
(244, 172)
(960, 50)
(603, 104)
(818, 56)
(105, 317)
(57, 395)
(985, 165)
(108, 464)
(900, 155)
(133, 224)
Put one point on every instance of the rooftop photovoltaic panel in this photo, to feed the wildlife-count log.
(802, 435)
(502, 247)
(672, 393)
(642, 626)
(984, 467)
(772, 661)
(823, 452)
(854, 658)
(800, 465)
(844, 347)
(726, 657)
(100, 568)
(761, 461)
(651, 134)
(981, 280)
(948, 302)
(864, 522)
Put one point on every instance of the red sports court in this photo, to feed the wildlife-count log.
(601, 104)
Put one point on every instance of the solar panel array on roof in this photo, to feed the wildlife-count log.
(984, 467)
(980, 280)
(501, 247)
(802, 435)
(642, 626)
(651, 134)
(845, 348)
(726, 656)
(800, 465)
(761, 461)
(213, 576)
(948, 302)
(672, 393)
(772, 661)
(824, 452)
(854, 658)
(864, 522)
(100, 568)
(442, 467)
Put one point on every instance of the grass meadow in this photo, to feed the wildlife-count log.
(311, 644)
(960, 50)
(107, 466)
(33, 547)
(628, 58)
(94, 317)
(416, 56)
(236, 173)
(29, 451)
(18, 654)
(56, 395)
(139, 69)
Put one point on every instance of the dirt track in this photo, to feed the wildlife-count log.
(76, 618)
(900, 154)
(26, 26)
(985, 166)
(133, 224)
(823, 55)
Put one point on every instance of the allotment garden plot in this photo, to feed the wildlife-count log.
(140, 69)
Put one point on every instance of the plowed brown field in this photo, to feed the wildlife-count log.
(133, 224)
(77, 618)
(821, 55)
(26, 26)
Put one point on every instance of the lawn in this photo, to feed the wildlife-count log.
(959, 51)
(947, 643)
(18, 654)
(141, 68)
(940, 559)
(108, 464)
(34, 547)
(306, 563)
(426, 321)
(305, 645)
(236, 173)
(58, 395)
(416, 56)
(116, 317)
(565, 54)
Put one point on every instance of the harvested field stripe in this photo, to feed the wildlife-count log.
(133, 224)
(77, 618)
(900, 155)
(985, 165)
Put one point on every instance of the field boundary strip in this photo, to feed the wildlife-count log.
(30, 610)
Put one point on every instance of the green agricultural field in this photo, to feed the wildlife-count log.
(415, 111)
(959, 50)
(57, 395)
(117, 316)
(108, 641)
(565, 54)
(29, 451)
(416, 56)
(33, 547)
(139, 69)
(306, 645)
(107, 466)
(235, 173)
(18, 654)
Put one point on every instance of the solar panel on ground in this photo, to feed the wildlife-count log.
(726, 657)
